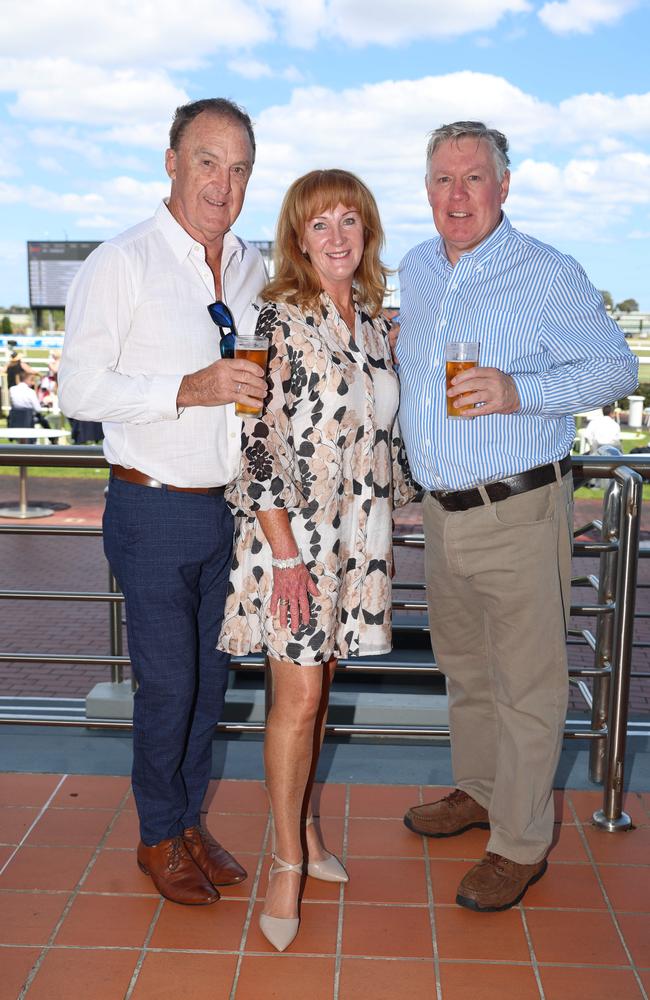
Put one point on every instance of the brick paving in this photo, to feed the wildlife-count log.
(77, 564)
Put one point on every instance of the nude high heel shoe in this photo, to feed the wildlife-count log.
(329, 869)
(280, 931)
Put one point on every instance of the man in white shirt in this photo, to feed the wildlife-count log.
(603, 430)
(23, 401)
(141, 354)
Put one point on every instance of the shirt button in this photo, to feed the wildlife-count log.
(443, 322)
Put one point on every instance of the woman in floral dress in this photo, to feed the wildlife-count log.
(321, 472)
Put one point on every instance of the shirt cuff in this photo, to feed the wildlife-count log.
(163, 391)
(530, 392)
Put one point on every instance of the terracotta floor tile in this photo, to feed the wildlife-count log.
(117, 871)
(636, 931)
(27, 789)
(567, 844)
(390, 802)
(563, 813)
(382, 838)
(463, 934)
(488, 982)
(6, 852)
(316, 935)
(237, 796)
(46, 868)
(386, 980)
(170, 976)
(574, 886)
(109, 921)
(387, 931)
(238, 833)
(631, 847)
(584, 939)
(329, 799)
(469, 846)
(16, 964)
(314, 889)
(586, 804)
(243, 889)
(216, 927)
(645, 979)
(628, 887)
(29, 918)
(560, 982)
(280, 977)
(386, 881)
(445, 878)
(70, 827)
(102, 975)
(15, 821)
(83, 791)
(126, 830)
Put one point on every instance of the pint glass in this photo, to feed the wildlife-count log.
(255, 349)
(459, 356)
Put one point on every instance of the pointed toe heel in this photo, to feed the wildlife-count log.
(279, 931)
(329, 869)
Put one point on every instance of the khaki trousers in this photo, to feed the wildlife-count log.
(498, 588)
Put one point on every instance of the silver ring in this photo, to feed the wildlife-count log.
(239, 387)
(283, 600)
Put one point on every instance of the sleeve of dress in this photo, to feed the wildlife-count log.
(268, 476)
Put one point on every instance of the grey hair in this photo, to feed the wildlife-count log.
(495, 140)
(221, 107)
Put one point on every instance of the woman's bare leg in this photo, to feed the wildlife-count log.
(314, 843)
(288, 759)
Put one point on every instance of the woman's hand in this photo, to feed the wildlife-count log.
(290, 596)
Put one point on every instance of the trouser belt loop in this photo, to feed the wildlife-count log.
(484, 495)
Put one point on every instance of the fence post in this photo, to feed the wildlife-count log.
(605, 629)
(611, 817)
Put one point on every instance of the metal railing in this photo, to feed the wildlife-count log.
(612, 644)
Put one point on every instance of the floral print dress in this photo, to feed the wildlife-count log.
(327, 448)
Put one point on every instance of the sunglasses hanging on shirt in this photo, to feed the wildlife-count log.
(222, 317)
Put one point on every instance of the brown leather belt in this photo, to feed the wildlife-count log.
(542, 475)
(133, 476)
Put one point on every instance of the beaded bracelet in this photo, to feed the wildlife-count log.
(287, 563)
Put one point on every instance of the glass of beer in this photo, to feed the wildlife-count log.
(255, 349)
(459, 356)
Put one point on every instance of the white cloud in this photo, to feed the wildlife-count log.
(119, 202)
(583, 16)
(121, 32)
(382, 22)
(251, 69)
(63, 90)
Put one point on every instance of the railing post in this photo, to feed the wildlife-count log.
(115, 625)
(605, 629)
(611, 817)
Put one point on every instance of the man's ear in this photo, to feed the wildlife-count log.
(170, 163)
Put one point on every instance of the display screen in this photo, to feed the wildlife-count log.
(52, 266)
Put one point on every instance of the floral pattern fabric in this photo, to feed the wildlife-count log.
(326, 448)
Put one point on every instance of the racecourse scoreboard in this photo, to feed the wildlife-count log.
(52, 266)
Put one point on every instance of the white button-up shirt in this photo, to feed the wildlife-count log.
(136, 323)
(23, 397)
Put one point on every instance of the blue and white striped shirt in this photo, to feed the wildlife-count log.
(538, 318)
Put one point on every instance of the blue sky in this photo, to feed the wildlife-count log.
(87, 91)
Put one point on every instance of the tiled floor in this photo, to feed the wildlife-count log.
(78, 919)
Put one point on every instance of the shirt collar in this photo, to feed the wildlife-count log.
(485, 249)
(182, 243)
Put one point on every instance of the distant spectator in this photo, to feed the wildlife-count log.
(603, 430)
(24, 404)
(14, 367)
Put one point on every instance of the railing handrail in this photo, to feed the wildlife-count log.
(619, 542)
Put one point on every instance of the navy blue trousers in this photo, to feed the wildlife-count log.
(171, 553)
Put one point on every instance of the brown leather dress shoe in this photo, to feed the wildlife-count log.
(496, 883)
(174, 873)
(214, 860)
(447, 817)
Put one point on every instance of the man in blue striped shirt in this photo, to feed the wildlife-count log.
(498, 505)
